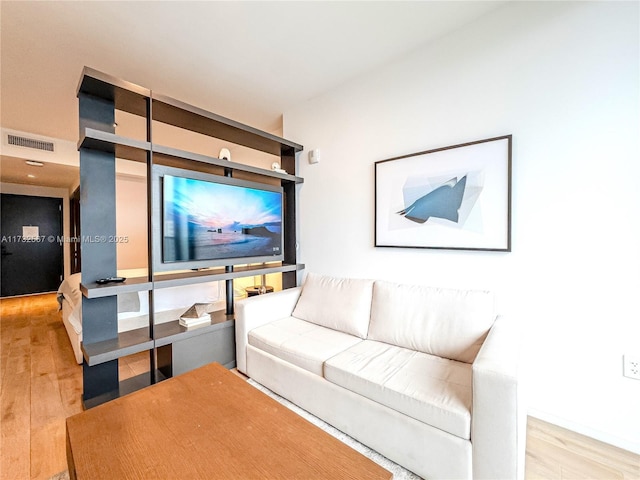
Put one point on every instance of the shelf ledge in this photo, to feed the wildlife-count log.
(171, 332)
(127, 343)
(197, 157)
(121, 147)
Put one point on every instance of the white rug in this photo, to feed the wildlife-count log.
(399, 473)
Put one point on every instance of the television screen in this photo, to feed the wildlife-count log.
(221, 219)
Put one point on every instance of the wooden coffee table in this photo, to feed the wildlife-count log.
(211, 424)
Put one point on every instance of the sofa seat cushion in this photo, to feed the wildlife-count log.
(301, 343)
(431, 389)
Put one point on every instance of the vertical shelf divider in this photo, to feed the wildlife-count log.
(172, 348)
(98, 217)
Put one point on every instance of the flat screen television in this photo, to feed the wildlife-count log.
(210, 220)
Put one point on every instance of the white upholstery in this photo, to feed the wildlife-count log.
(301, 343)
(338, 303)
(499, 419)
(434, 390)
(433, 385)
(444, 322)
(421, 448)
(259, 310)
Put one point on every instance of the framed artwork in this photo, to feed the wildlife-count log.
(456, 197)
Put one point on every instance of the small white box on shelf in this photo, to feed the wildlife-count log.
(192, 322)
(196, 315)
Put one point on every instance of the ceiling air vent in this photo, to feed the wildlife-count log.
(30, 143)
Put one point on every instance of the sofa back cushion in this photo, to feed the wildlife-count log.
(338, 303)
(444, 322)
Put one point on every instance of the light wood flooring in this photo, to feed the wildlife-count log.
(41, 385)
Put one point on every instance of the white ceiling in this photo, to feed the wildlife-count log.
(249, 61)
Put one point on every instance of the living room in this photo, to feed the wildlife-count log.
(562, 78)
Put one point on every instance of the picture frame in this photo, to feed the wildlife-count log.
(455, 198)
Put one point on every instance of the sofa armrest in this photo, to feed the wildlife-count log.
(498, 428)
(259, 310)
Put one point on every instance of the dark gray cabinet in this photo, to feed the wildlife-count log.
(172, 348)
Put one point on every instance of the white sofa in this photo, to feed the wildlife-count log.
(425, 376)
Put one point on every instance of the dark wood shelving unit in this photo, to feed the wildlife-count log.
(172, 348)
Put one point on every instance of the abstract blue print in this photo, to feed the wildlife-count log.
(443, 202)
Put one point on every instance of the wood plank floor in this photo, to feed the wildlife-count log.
(41, 385)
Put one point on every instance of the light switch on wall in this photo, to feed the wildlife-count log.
(314, 156)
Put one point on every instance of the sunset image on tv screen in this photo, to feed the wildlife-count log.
(205, 220)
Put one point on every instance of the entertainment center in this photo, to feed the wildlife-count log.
(176, 257)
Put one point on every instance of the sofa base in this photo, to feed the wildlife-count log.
(427, 451)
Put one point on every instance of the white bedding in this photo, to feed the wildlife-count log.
(133, 308)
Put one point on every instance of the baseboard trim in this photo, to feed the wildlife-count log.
(586, 430)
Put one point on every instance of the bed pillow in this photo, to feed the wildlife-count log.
(128, 302)
(70, 289)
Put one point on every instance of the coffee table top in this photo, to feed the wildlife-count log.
(207, 423)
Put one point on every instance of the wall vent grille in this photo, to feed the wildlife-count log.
(30, 143)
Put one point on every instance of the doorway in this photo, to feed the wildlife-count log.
(74, 227)
(31, 236)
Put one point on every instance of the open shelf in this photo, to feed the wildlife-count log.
(179, 114)
(196, 157)
(126, 343)
(177, 279)
(166, 280)
(170, 332)
(136, 150)
(94, 290)
(134, 99)
(122, 147)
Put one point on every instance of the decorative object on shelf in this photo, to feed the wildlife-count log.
(275, 166)
(456, 197)
(197, 314)
(261, 288)
(258, 290)
(196, 310)
(224, 154)
(314, 156)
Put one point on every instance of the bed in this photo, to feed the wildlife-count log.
(133, 308)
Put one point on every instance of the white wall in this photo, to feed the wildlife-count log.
(131, 221)
(563, 78)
